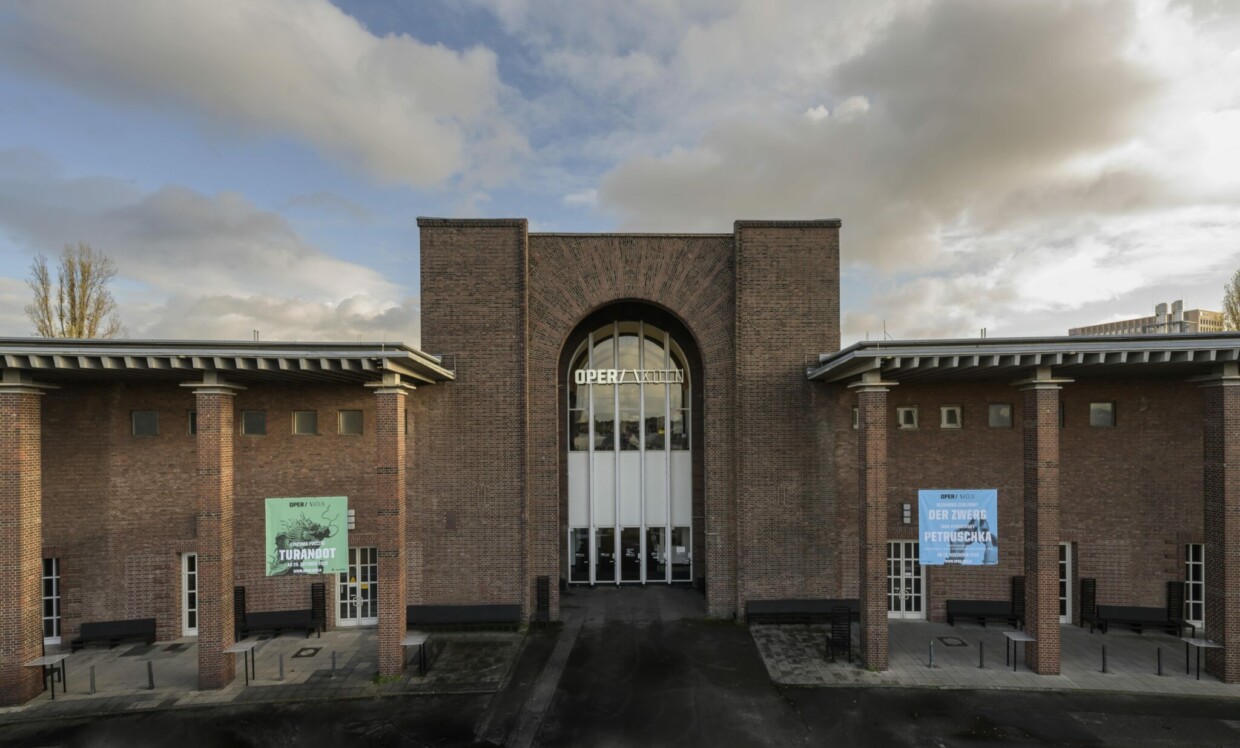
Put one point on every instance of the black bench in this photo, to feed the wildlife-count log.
(982, 611)
(115, 632)
(463, 616)
(799, 611)
(1139, 618)
(278, 621)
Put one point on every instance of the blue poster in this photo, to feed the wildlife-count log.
(959, 527)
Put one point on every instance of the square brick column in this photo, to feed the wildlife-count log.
(1222, 522)
(872, 502)
(1041, 488)
(21, 542)
(390, 492)
(216, 668)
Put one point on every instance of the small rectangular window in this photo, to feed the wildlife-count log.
(1102, 415)
(1001, 415)
(306, 422)
(907, 417)
(254, 422)
(856, 418)
(949, 417)
(351, 422)
(193, 422)
(51, 601)
(145, 422)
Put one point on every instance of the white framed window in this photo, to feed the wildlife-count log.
(1000, 415)
(306, 422)
(189, 594)
(1065, 583)
(949, 417)
(51, 601)
(856, 417)
(906, 417)
(1102, 415)
(350, 422)
(192, 421)
(254, 422)
(1195, 585)
(145, 422)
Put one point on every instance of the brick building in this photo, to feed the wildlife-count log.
(612, 409)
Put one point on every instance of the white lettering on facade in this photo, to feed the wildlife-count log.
(629, 376)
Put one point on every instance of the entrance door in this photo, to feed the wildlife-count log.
(1065, 583)
(189, 594)
(904, 580)
(630, 469)
(358, 589)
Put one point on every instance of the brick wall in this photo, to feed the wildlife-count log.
(21, 633)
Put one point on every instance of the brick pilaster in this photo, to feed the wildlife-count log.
(390, 492)
(214, 442)
(21, 543)
(872, 501)
(1041, 489)
(1222, 523)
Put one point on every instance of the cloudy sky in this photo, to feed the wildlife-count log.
(1024, 166)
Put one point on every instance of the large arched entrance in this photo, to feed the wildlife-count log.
(629, 413)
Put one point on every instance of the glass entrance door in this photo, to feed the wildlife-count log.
(904, 580)
(358, 589)
(630, 492)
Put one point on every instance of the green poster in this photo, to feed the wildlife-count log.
(307, 535)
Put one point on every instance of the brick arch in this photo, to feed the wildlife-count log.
(689, 278)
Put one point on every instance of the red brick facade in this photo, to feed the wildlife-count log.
(461, 486)
(21, 624)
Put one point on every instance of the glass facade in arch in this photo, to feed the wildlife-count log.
(630, 471)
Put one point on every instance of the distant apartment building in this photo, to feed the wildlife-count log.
(1162, 323)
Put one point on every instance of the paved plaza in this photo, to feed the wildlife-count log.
(642, 667)
(796, 655)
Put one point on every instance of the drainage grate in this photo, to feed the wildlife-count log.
(307, 652)
(953, 641)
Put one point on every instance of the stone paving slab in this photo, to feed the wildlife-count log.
(460, 662)
(796, 655)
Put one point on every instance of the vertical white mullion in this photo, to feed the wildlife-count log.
(591, 553)
(641, 452)
(667, 462)
(615, 452)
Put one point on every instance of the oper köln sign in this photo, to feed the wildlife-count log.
(629, 376)
(307, 535)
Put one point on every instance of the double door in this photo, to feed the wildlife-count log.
(905, 580)
(357, 590)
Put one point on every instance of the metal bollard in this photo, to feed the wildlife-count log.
(1104, 658)
(931, 654)
(281, 666)
(332, 674)
(1160, 660)
(92, 680)
(981, 655)
(150, 675)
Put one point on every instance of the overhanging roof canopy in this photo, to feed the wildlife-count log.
(60, 360)
(985, 358)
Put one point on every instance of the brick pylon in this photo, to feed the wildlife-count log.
(1222, 522)
(872, 501)
(216, 668)
(21, 542)
(1041, 487)
(390, 491)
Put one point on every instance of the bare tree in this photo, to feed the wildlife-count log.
(1231, 303)
(78, 303)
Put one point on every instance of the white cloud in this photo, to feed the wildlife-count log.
(397, 108)
(588, 197)
(195, 265)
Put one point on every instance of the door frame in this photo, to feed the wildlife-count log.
(186, 629)
(1067, 573)
(355, 585)
(918, 615)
